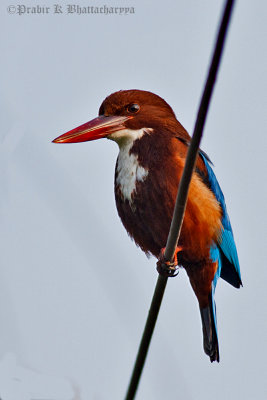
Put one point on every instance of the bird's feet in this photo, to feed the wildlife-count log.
(168, 268)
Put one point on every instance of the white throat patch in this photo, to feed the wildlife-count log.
(128, 169)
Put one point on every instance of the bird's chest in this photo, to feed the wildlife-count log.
(128, 173)
(139, 203)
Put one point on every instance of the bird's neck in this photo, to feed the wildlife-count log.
(145, 153)
(142, 153)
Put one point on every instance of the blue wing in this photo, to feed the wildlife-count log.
(228, 264)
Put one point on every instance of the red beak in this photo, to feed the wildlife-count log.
(96, 129)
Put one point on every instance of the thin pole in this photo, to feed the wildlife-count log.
(147, 334)
(181, 201)
(182, 194)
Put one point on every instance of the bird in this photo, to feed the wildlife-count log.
(152, 151)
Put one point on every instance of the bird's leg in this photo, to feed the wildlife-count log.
(168, 268)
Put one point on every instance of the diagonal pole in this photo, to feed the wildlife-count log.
(181, 200)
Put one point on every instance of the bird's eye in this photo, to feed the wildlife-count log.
(133, 108)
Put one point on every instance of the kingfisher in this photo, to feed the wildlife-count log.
(152, 151)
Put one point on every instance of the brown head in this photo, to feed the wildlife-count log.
(125, 111)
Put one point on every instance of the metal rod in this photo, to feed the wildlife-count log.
(181, 200)
(147, 334)
(182, 194)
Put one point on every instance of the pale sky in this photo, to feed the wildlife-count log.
(74, 289)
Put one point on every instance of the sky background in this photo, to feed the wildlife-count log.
(74, 289)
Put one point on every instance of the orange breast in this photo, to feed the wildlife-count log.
(202, 221)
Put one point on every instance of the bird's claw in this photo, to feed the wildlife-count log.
(168, 269)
